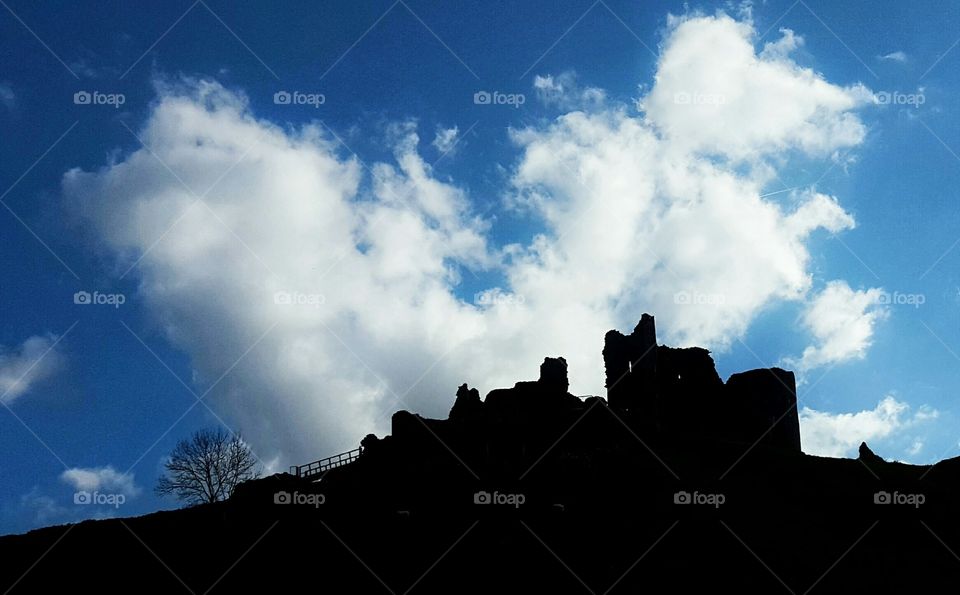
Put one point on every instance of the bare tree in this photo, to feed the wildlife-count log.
(208, 467)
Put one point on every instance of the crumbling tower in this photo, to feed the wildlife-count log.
(553, 375)
(763, 404)
(631, 366)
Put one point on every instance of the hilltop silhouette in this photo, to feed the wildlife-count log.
(675, 481)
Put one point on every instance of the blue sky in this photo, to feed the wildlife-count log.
(110, 395)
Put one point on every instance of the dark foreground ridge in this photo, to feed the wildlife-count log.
(677, 481)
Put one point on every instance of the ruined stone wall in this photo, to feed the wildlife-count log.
(677, 394)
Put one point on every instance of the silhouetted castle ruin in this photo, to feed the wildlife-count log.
(677, 392)
(657, 393)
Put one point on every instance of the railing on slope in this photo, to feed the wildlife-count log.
(317, 468)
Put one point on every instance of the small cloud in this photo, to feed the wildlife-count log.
(446, 139)
(84, 68)
(897, 56)
(783, 47)
(915, 448)
(7, 96)
(838, 434)
(101, 479)
(44, 509)
(26, 365)
(842, 321)
(562, 91)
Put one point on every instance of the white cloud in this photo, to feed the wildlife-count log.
(842, 322)
(105, 481)
(669, 223)
(85, 68)
(840, 434)
(915, 448)
(7, 96)
(632, 214)
(715, 95)
(43, 508)
(21, 368)
(563, 92)
(446, 139)
(101, 479)
(781, 49)
(294, 218)
(897, 56)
